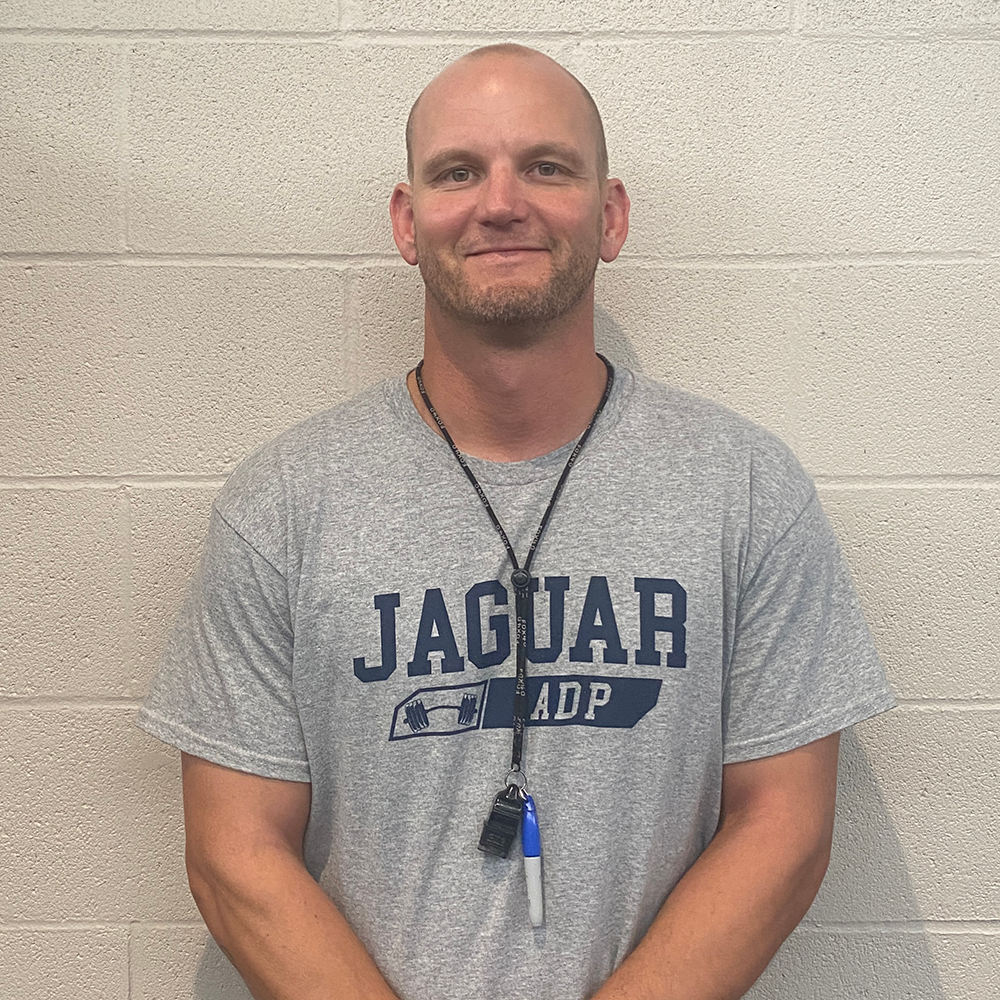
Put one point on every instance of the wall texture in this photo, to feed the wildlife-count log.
(194, 253)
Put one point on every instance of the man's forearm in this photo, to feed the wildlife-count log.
(726, 918)
(283, 933)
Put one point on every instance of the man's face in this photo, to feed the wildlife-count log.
(507, 205)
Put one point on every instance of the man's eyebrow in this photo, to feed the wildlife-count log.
(456, 154)
(569, 155)
(438, 161)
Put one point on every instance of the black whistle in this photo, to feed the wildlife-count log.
(500, 828)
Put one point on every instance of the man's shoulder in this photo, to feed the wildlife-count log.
(717, 466)
(339, 427)
(705, 451)
(342, 443)
(701, 426)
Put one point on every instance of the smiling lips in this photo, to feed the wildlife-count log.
(505, 253)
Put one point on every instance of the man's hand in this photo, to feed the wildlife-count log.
(728, 915)
(245, 868)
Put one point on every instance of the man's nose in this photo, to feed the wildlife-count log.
(502, 197)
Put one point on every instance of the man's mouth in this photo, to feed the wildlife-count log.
(506, 252)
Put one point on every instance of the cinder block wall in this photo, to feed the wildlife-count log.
(195, 253)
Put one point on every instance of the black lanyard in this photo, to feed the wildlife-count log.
(520, 576)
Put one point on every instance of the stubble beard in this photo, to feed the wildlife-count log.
(509, 310)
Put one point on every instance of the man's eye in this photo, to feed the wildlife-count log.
(460, 175)
(547, 169)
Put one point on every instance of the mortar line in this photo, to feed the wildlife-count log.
(939, 36)
(793, 395)
(217, 481)
(125, 151)
(474, 36)
(908, 926)
(99, 482)
(347, 11)
(795, 18)
(943, 36)
(84, 925)
(874, 258)
(378, 36)
(121, 98)
(130, 259)
(55, 702)
(950, 704)
(129, 640)
(129, 944)
(943, 481)
(355, 261)
(352, 353)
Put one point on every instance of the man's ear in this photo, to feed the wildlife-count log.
(616, 207)
(401, 213)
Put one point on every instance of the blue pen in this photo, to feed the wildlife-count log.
(532, 844)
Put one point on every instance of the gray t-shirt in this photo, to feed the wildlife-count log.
(351, 625)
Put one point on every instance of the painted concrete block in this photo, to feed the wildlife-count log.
(181, 963)
(899, 368)
(63, 594)
(389, 311)
(276, 148)
(60, 123)
(164, 369)
(223, 359)
(191, 15)
(918, 821)
(968, 964)
(93, 822)
(971, 18)
(722, 333)
(926, 563)
(747, 145)
(564, 15)
(891, 964)
(86, 964)
(65, 345)
(769, 146)
(167, 530)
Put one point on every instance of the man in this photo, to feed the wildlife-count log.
(344, 679)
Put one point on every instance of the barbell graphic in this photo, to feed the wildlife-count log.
(417, 718)
(553, 700)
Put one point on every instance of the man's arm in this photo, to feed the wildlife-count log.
(728, 915)
(245, 868)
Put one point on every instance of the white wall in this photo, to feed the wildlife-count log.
(194, 253)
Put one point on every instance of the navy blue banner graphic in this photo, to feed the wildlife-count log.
(554, 700)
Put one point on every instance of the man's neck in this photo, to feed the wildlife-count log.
(508, 404)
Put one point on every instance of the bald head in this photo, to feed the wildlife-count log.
(507, 51)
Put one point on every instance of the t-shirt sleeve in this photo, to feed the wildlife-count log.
(803, 663)
(224, 688)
